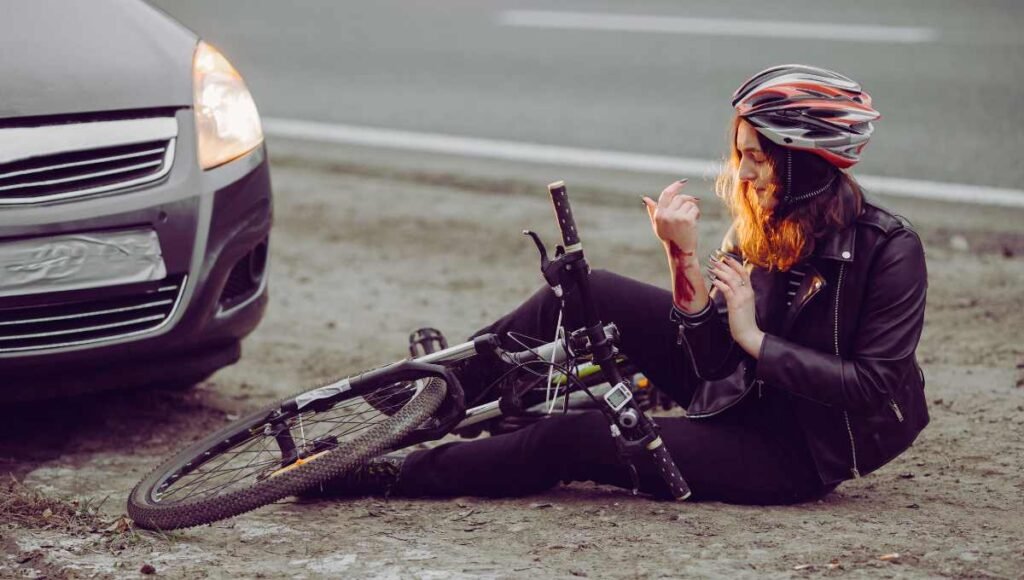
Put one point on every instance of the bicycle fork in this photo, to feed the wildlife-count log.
(630, 426)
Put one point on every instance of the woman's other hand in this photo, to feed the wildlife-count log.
(674, 218)
(733, 281)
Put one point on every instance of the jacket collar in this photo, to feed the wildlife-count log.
(838, 245)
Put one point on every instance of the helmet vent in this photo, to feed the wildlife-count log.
(766, 98)
(825, 113)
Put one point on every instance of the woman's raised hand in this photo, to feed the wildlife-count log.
(674, 217)
(733, 281)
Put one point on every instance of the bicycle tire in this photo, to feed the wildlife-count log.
(147, 510)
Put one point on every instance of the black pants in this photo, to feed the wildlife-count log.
(753, 453)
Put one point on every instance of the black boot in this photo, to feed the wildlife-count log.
(376, 477)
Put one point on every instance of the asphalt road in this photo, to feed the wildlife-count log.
(951, 104)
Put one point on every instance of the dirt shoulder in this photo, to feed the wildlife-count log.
(360, 257)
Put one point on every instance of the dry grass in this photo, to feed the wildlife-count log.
(27, 508)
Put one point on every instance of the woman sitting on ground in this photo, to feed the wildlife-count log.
(820, 295)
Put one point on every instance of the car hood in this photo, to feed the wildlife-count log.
(67, 56)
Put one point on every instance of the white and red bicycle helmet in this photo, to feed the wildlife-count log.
(810, 109)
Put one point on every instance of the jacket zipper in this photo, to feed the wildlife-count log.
(896, 410)
(846, 415)
(815, 288)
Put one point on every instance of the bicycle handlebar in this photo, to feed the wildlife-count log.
(563, 213)
(603, 351)
(669, 471)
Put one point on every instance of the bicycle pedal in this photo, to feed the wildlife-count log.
(425, 341)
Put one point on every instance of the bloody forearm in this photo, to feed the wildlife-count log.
(689, 292)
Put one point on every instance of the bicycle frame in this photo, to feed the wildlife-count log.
(437, 364)
(553, 353)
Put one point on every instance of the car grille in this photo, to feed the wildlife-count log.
(75, 173)
(70, 323)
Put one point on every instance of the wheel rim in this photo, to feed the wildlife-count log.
(258, 449)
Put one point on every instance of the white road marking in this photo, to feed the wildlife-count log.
(604, 159)
(716, 26)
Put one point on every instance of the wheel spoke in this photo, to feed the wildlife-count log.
(208, 474)
(262, 450)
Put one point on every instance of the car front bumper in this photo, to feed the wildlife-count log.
(213, 228)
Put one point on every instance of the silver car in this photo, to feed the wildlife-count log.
(135, 201)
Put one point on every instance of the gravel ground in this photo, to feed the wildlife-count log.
(362, 256)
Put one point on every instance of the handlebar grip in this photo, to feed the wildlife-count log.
(563, 212)
(677, 486)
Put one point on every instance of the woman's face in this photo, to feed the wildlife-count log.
(755, 171)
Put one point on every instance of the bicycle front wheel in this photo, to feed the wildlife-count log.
(280, 450)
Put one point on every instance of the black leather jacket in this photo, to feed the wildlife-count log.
(845, 349)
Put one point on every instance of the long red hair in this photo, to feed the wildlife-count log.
(779, 240)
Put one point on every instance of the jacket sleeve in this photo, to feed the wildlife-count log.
(712, 349)
(889, 328)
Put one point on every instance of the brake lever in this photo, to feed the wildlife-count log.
(544, 261)
(550, 269)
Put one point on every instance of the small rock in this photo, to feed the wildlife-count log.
(147, 569)
(894, 556)
(799, 567)
(959, 243)
(540, 506)
(913, 506)
(47, 513)
(969, 556)
(907, 475)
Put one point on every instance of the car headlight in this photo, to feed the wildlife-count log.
(227, 123)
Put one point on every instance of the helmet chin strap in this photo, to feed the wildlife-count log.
(789, 199)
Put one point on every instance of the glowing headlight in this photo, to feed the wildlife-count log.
(227, 123)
